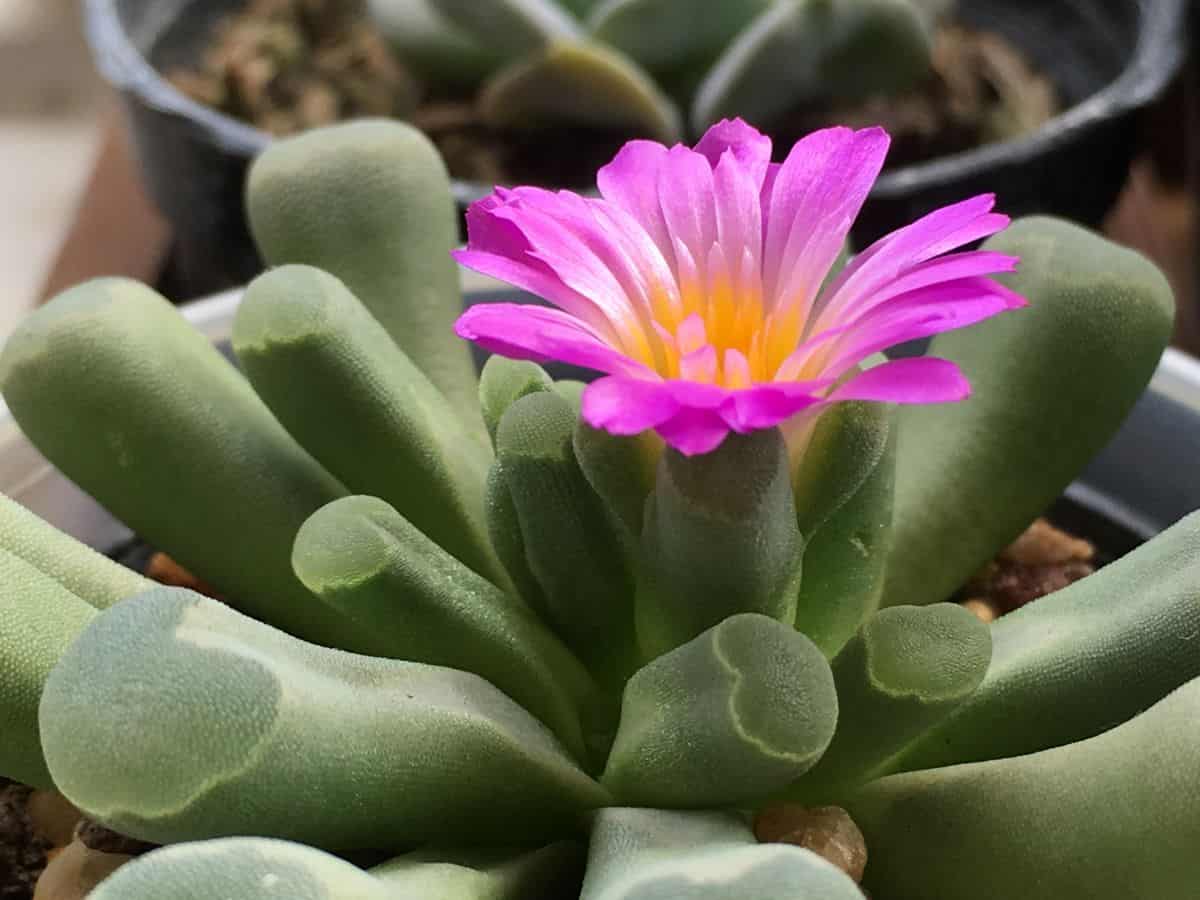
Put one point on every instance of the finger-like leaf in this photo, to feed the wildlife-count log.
(1082, 659)
(1050, 385)
(905, 670)
(370, 202)
(725, 719)
(720, 538)
(419, 603)
(175, 718)
(505, 381)
(621, 470)
(550, 873)
(178, 446)
(652, 854)
(1108, 818)
(512, 27)
(351, 397)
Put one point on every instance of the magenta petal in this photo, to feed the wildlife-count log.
(923, 379)
(627, 405)
(768, 405)
(521, 331)
(631, 182)
(750, 147)
(694, 431)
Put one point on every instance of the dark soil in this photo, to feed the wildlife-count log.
(288, 65)
(22, 851)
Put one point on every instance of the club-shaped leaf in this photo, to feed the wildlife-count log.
(579, 84)
(653, 854)
(436, 48)
(621, 470)
(370, 202)
(179, 447)
(570, 543)
(241, 868)
(350, 396)
(512, 27)
(844, 489)
(1082, 659)
(1050, 385)
(553, 872)
(720, 538)
(93, 578)
(362, 557)
(1108, 818)
(174, 718)
(803, 50)
(39, 618)
(726, 719)
(904, 671)
(503, 382)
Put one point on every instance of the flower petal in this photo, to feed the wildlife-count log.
(694, 431)
(523, 331)
(922, 379)
(768, 405)
(630, 181)
(749, 146)
(627, 405)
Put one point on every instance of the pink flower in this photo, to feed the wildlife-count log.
(695, 284)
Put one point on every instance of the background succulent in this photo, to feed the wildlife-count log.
(499, 722)
(662, 68)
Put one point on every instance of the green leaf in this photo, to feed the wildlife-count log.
(94, 578)
(135, 406)
(666, 35)
(505, 381)
(652, 854)
(241, 868)
(720, 538)
(800, 51)
(571, 546)
(420, 604)
(579, 84)
(724, 720)
(514, 28)
(844, 489)
(434, 47)
(1109, 818)
(1050, 386)
(550, 873)
(905, 670)
(350, 396)
(1082, 659)
(39, 618)
(370, 203)
(621, 470)
(175, 718)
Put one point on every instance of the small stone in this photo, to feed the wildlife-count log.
(827, 831)
(164, 570)
(1041, 544)
(95, 836)
(74, 872)
(54, 817)
(982, 608)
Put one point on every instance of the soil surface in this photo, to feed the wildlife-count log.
(23, 853)
(288, 65)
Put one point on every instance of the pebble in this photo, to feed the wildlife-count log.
(827, 831)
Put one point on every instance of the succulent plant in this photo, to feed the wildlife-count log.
(661, 68)
(464, 627)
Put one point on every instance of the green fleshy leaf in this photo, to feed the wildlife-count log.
(39, 618)
(906, 669)
(1082, 659)
(242, 868)
(370, 203)
(579, 84)
(570, 544)
(621, 470)
(350, 396)
(505, 381)
(94, 578)
(550, 873)
(504, 529)
(844, 489)
(804, 50)
(1109, 818)
(420, 604)
(178, 446)
(511, 27)
(175, 718)
(652, 854)
(724, 720)
(1050, 386)
(571, 391)
(720, 538)
(434, 47)
(667, 35)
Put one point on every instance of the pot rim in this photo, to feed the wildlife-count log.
(1160, 51)
(26, 476)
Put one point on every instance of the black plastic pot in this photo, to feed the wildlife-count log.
(1108, 58)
